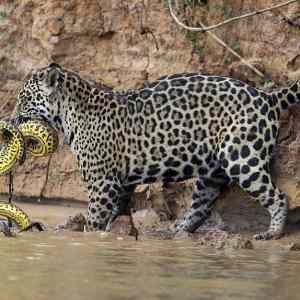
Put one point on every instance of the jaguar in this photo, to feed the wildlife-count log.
(218, 130)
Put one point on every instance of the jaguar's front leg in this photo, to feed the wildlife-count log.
(122, 206)
(103, 199)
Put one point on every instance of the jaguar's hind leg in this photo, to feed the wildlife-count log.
(206, 192)
(259, 185)
(254, 177)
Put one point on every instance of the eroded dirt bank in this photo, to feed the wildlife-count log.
(123, 44)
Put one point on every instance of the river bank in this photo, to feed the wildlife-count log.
(221, 232)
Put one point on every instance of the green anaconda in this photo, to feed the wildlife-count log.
(35, 137)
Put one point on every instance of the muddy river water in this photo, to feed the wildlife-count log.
(70, 265)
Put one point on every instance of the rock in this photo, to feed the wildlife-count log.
(239, 243)
(294, 215)
(124, 225)
(6, 229)
(216, 238)
(146, 219)
(121, 225)
(226, 241)
(76, 223)
(293, 246)
(55, 26)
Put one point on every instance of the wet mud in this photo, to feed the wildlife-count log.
(228, 229)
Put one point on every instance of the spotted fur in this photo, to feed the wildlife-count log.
(216, 129)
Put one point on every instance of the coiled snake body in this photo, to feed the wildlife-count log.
(16, 214)
(13, 147)
(34, 137)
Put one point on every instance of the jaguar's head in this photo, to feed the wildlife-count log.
(41, 96)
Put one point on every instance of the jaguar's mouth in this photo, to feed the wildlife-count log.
(35, 137)
(25, 117)
(39, 137)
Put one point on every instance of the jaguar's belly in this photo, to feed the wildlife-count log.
(167, 163)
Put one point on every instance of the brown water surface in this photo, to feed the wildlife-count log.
(68, 265)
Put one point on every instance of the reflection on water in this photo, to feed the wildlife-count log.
(85, 266)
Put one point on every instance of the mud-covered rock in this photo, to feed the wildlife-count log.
(293, 246)
(216, 238)
(124, 225)
(73, 223)
(294, 215)
(146, 219)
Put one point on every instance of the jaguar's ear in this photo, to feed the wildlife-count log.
(52, 75)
